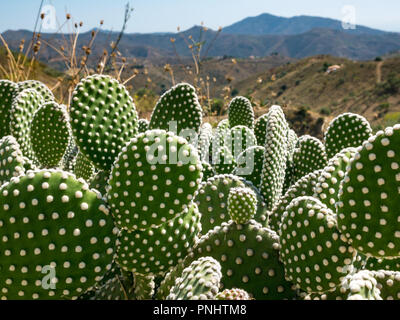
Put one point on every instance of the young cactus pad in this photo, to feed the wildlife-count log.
(369, 196)
(39, 87)
(153, 180)
(199, 281)
(242, 205)
(240, 113)
(178, 110)
(313, 252)
(8, 90)
(346, 130)
(83, 167)
(50, 134)
(11, 159)
(103, 119)
(54, 225)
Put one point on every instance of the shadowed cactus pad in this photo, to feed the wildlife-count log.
(50, 134)
(308, 156)
(143, 125)
(388, 284)
(8, 90)
(83, 167)
(11, 159)
(180, 105)
(103, 119)
(313, 252)
(233, 294)
(242, 205)
(346, 130)
(155, 250)
(240, 113)
(223, 161)
(260, 129)
(250, 163)
(153, 179)
(369, 196)
(39, 87)
(240, 139)
(52, 222)
(199, 281)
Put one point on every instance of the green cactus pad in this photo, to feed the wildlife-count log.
(242, 205)
(153, 180)
(144, 287)
(388, 284)
(360, 286)
(69, 158)
(39, 87)
(376, 264)
(250, 163)
(346, 130)
(52, 222)
(219, 136)
(116, 288)
(208, 171)
(155, 250)
(29, 165)
(100, 181)
(143, 125)
(327, 188)
(369, 198)
(290, 166)
(199, 281)
(23, 108)
(233, 294)
(103, 119)
(8, 90)
(249, 257)
(240, 113)
(308, 156)
(313, 252)
(11, 160)
(260, 129)
(178, 110)
(240, 139)
(50, 134)
(83, 167)
(204, 141)
(223, 161)
(303, 187)
(274, 166)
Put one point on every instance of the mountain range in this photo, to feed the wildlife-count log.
(260, 36)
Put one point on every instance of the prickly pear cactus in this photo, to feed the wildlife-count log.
(327, 188)
(23, 108)
(143, 125)
(144, 287)
(240, 139)
(8, 90)
(208, 171)
(83, 167)
(308, 156)
(388, 283)
(250, 164)
(274, 165)
(346, 130)
(233, 294)
(155, 250)
(179, 111)
(11, 159)
(39, 87)
(290, 166)
(153, 180)
(260, 129)
(204, 141)
(223, 161)
(100, 181)
(316, 258)
(58, 237)
(242, 205)
(103, 119)
(369, 199)
(50, 134)
(240, 113)
(199, 281)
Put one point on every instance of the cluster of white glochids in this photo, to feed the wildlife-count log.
(125, 208)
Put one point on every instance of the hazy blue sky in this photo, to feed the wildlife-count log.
(166, 15)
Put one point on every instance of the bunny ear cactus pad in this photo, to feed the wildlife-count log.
(223, 161)
(155, 250)
(233, 294)
(51, 222)
(11, 160)
(308, 156)
(274, 165)
(208, 171)
(50, 134)
(39, 87)
(290, 166)
(304, 187)
(143, 125)
(103, 119)
(100, 181)
(369, 196)
(240, 139)
(260, 129)
(24, 107)
(388, 283)
(153, 180)
(8, 90)
(199, 281)
(83, 167)
(250, 163)
(180, 105)
(346, 130)
(204, 141)
(242, 205)
(240, 113)
(327, 188)
(314, 254)
(249, 258)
